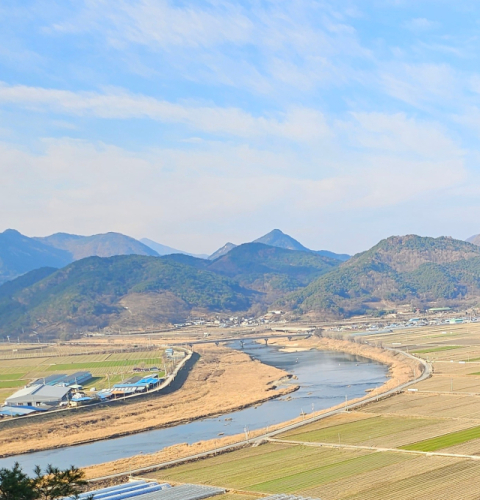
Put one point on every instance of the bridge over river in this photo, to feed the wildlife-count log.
(242, 339)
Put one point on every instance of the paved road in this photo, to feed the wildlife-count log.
(427, 371)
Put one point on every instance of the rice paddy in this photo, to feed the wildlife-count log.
(332, 474)
(275, 468)
(104, 364)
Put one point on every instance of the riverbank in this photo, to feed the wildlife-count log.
(221, 381)
(402, 369)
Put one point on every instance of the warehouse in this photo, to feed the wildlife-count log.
(61, 379)
(137, 384)
(39, 395)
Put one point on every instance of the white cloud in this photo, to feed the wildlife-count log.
(299, 124)
(196, 198)
(255, 46)
(399, 134)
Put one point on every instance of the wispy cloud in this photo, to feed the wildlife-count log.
(242, 45)
(299, 124)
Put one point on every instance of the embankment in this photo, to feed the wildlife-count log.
(220, 381)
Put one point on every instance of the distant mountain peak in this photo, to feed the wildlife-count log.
(222, 251)
(11, 232)
(101, 245)
(277, 238)
(20, 254)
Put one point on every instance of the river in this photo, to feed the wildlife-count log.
(326, 378)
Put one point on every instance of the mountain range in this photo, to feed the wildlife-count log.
(166, 250)
(20, 254)
(99, 245)
(132, 290)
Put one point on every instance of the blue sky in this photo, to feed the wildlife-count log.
(197, 123)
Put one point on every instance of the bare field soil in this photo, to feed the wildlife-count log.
(221, 381)
(451, 383)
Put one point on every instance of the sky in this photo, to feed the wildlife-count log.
(197, 123)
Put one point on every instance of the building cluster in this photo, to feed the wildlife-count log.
(219, 321)
(391, 326)
(61, 390)
(151, 490)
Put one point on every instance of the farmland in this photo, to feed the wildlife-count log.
(445, 440)
(420, 440)
(331, 474)
(108, 366)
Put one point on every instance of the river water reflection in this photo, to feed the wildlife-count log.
(325, 378)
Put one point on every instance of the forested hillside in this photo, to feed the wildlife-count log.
(89, 292)
(141, 290)
(409, 268)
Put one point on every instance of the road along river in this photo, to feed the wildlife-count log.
(326, 378)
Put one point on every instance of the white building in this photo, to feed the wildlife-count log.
(39, 395)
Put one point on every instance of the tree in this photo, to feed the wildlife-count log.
(16, 485)
(54, 483)
(50, 484)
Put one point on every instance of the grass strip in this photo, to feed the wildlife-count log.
(12, 376)
(438, 349)
(10, 384)
(444, 441)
